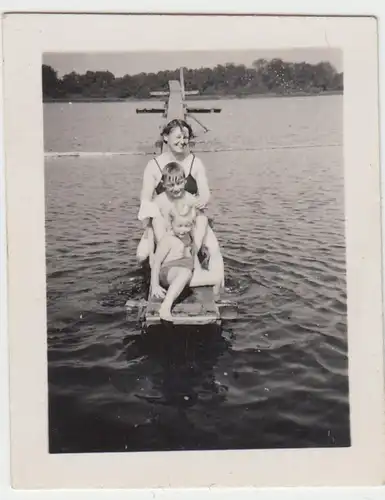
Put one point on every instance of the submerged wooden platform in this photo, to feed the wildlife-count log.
(198, 308)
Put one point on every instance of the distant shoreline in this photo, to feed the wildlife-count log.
(213, 97)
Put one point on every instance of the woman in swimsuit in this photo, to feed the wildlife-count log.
(176, 137)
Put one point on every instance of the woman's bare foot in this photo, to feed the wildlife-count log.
(165, 313)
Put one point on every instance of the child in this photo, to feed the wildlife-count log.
(173, 263)
(174, 197)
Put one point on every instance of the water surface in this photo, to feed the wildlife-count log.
(277, 376)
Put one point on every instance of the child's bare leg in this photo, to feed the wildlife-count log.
(178, 277)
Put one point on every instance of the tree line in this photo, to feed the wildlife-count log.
(273, 76)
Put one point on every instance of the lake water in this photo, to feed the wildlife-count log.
(277, 376)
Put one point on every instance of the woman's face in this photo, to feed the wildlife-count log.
(178, 140)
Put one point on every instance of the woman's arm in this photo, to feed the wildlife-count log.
(200, 230)
(202, 182)
(149, 182)
(147, 209)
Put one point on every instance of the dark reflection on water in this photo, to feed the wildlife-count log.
(277, 376)
(177, 400)
(176, 376)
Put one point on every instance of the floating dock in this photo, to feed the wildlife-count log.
(198, 308)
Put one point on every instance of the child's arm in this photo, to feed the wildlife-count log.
(160, 254)
(160, 222)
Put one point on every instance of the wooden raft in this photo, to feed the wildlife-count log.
(198, 308)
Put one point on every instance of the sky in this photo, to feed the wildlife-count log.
(136, 62)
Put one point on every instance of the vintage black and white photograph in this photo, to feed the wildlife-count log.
(195, 250)
(194, 245)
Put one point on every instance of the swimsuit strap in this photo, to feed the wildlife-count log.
(156, 161)
(192, 163)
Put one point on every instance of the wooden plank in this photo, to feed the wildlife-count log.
(203, 110)
(198, 308)
(175, 105)
(149, 110)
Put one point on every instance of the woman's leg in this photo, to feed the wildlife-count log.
(153, 233)
(177, 277)
(202, 277)
(200, 229)
(144, 246)
(216, 264)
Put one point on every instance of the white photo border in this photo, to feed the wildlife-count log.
(25, 39)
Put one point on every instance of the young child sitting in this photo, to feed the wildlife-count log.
(173, 263)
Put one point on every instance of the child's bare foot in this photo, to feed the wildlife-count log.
(165, 313)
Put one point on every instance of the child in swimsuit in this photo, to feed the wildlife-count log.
(174, 260)
(173, 197)
(174, 194)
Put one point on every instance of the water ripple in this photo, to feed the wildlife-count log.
(277, 376)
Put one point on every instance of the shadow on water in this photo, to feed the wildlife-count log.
(186, 357)
(178, 388)
(167, 390)
(178, 378)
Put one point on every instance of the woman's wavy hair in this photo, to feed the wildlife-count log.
(176, 123)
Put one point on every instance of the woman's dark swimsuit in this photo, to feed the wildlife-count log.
(192, 188)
